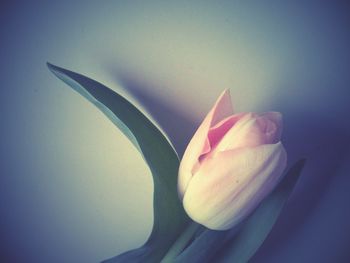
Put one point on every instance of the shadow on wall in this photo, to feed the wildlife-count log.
(178, 127)
(306, 134)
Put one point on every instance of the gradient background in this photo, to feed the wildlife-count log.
(73, 188)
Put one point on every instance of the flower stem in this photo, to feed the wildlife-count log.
(181, 243)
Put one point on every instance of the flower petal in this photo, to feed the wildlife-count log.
(252, 130)
(229, 186)
(276, 118)
(199, 143)
(217, 132)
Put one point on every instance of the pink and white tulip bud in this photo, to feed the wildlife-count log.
(230, 165)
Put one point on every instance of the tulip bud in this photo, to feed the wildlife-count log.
(232, 162)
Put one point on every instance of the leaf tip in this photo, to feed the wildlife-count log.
(51, 67)
(300, 163)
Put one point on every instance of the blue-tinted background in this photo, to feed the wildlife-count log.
(73, 189)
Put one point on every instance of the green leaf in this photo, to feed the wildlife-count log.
(202, 249)
(169, 217)
(259, 224)
(241, 242)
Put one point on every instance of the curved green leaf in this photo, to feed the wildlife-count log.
(241, 242)
(202, 249)
(169, 216)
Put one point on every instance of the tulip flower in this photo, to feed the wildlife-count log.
(230, 165)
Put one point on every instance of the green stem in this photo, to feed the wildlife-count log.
(181, 243)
